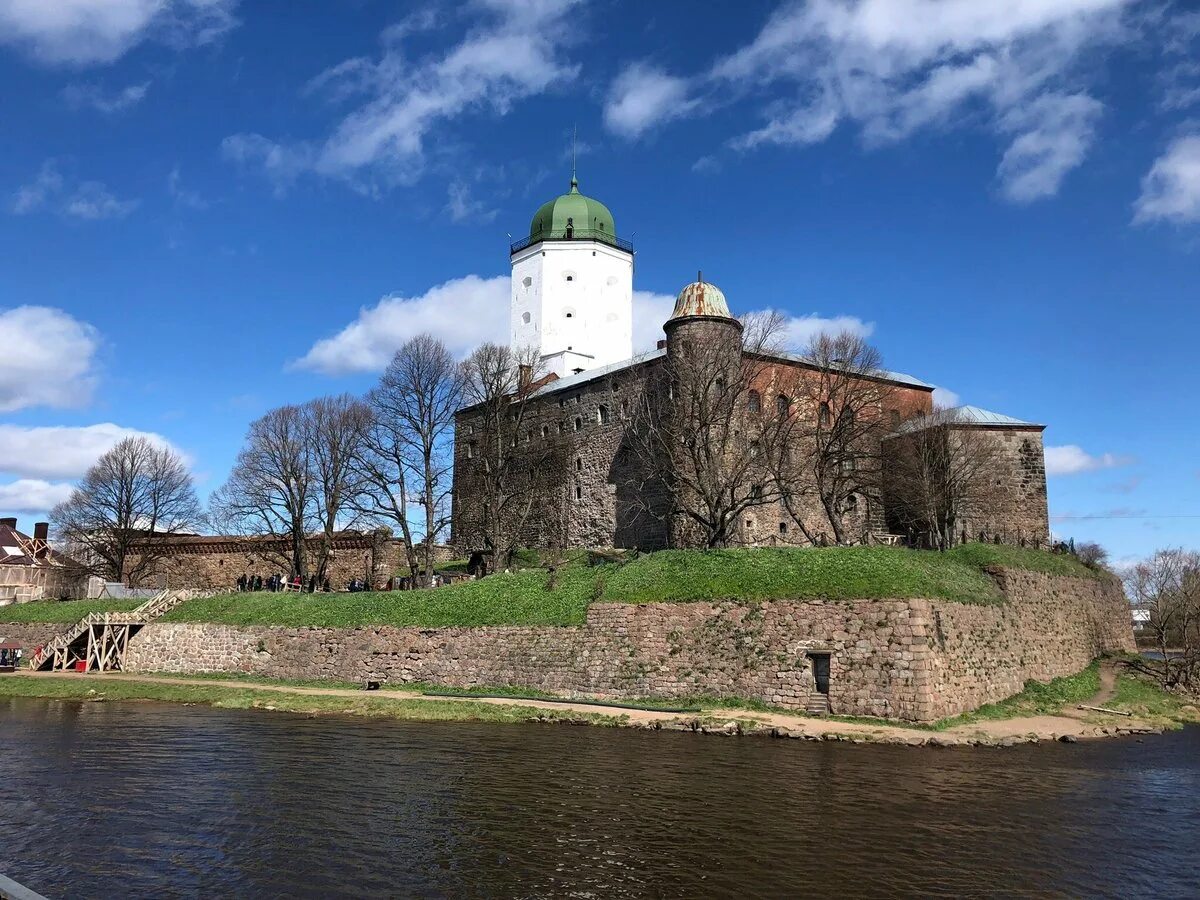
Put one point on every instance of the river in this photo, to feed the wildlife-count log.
(156, 800)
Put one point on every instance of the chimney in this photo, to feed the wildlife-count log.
(10, 522)
(524, 376)
(41, 532)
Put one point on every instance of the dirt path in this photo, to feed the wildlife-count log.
(1072, 723)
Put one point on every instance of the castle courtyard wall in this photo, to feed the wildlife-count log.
(920, 660)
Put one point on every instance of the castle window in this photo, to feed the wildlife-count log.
(754, 402)
(756, 492)
(470, 449)
(570, 314)
(525, 318)
(750, 524)
(579, 464)
(783, 527)
(570, 278)
(545, 431)
(527, 281)
(783, 405)
(894, 417)
(624, 409)
(852, 502)
(826, 414)
(602, 414)
(578, 423)
(578, 492)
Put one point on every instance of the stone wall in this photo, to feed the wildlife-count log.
(920, 660)
(30, 635)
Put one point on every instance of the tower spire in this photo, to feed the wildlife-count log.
(574, 135)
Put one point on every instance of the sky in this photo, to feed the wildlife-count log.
(209, 208)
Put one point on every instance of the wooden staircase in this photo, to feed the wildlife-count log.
(100, 640)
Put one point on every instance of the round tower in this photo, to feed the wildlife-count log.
(572, 286)
(701, 315)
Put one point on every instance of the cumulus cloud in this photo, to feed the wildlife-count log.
(83, 32)
(944, 398)
(800, 330)
(892, 67)
(48, 358)
(95, 97)
(61, 451)
(87, 200)
(1071, 459)
(32, 495)
(643, 96)
(1171, 189)
(513, 51)
(462, 312)
(650, 310)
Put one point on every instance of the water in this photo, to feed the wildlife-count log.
(147, 800)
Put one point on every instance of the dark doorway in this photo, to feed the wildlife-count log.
(820, 664)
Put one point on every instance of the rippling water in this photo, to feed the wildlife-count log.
(142, 800)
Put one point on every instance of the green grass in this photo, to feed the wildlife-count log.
(834, 573)
(531, 595)
(1144, 698)
(980, 555)
(64, 611)
(82, 687)
(1038, 699)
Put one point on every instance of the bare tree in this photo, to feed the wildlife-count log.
(1167, 587)
(504, 476)
(845, 399)
(706, 444)
(1092, 555)
(336, 429)
(937, 476)
(409, 450)
(271, 489)
(120, 517)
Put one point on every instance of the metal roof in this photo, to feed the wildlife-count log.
(570, 381)
(898, 377)
(966, 415)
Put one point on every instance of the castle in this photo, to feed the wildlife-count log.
(572, 436)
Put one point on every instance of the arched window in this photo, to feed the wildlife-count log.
(578, 492)
(825, 415)
(470, 450)
(545, 431)
(754, 402)
(578, 423)
(602, 414)
(579, 464)
(525, 318)
(783, 405)
(527, 281)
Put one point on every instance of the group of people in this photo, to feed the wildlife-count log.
(275, 583)
(10, 657)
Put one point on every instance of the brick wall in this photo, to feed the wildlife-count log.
(909, 659)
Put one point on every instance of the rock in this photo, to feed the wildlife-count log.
(1068, 739)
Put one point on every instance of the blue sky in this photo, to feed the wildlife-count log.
(210, 208)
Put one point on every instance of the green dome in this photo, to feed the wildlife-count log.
(587, 218)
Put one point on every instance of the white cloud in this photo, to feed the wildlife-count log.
(944, 398)
(1171, 189)
(48, 358)
(82, 32)
(61, 451)
(462, 207)
(1053, 135)
(97, 98)
(462, 312)
(513, 51)
(88, 200)
(466, 312)
(32, 495)
(892, 67)
(1071, 459)
(643, 96)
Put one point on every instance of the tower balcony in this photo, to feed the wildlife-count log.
(572, 234)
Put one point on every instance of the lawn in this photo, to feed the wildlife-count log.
(537, 596)
(1038, 699)
(64, 611)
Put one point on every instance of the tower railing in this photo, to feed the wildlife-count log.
(576, 234)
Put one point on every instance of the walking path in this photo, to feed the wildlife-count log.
(1068, 725)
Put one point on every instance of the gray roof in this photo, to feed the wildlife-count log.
(570, 381)
(966, 415)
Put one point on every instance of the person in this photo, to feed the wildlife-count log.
(296, 583)
(258, 582)
(312, 584)
(326, 587)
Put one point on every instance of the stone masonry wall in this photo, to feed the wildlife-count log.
(30, 635)
(920, 660)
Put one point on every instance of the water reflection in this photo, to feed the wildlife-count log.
(168, 801)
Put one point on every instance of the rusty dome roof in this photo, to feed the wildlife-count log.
(700, 298)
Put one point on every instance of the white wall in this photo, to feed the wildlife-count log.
(574, 301)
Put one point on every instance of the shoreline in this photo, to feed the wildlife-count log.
(397, 703)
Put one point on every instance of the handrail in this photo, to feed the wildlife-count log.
(577, 234)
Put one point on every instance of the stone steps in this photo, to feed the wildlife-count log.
(818, 705)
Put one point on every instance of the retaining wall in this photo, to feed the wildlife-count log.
(919, 660)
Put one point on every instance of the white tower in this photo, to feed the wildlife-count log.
(572, 286)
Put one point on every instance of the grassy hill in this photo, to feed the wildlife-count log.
(537, 596)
